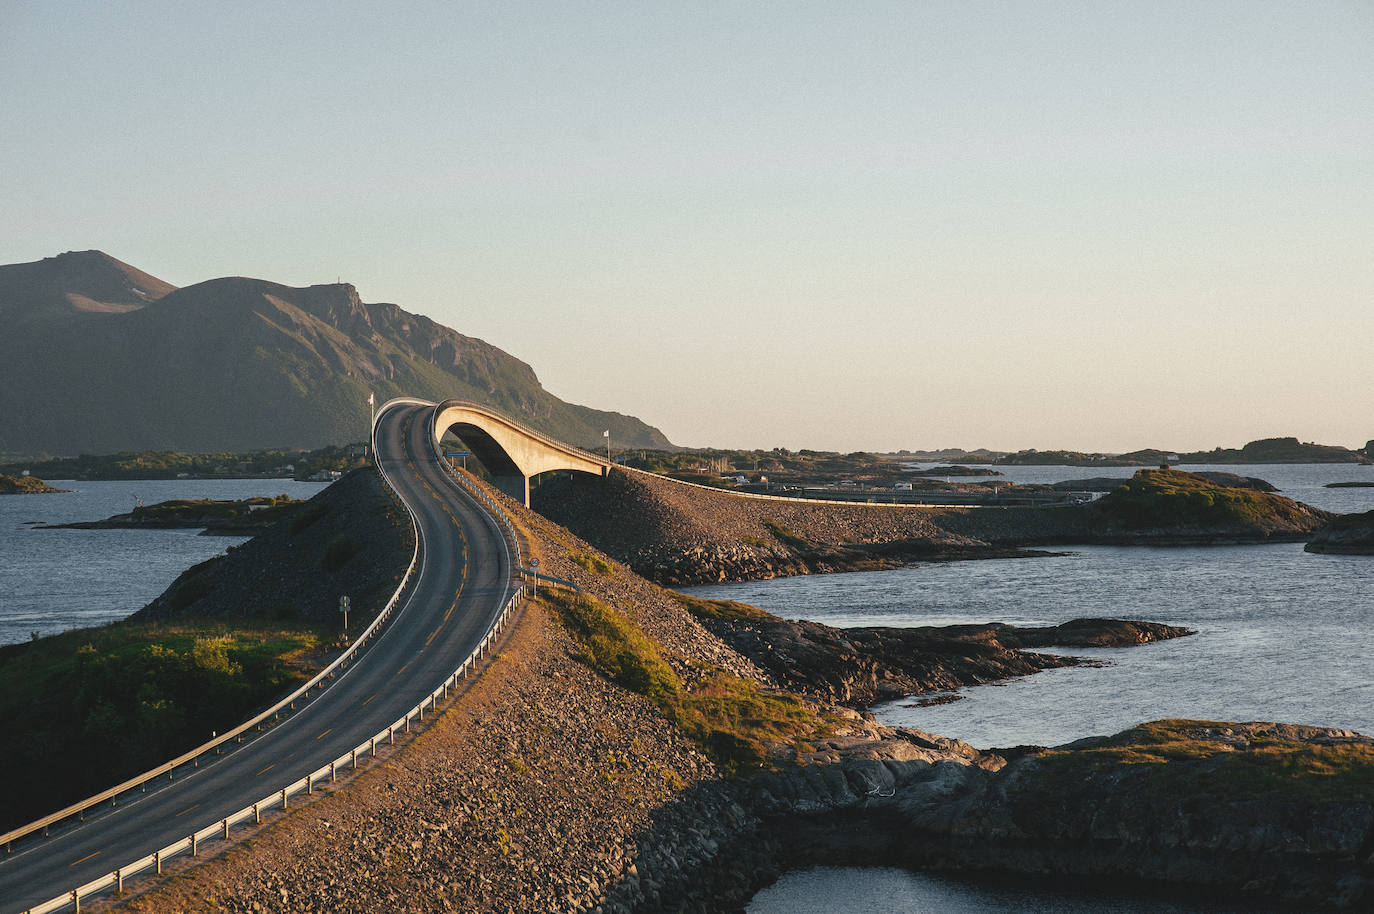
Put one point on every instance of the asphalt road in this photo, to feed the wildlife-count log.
(465, 579)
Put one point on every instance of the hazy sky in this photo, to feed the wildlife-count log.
(834, 225)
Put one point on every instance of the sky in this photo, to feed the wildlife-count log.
(860, 226)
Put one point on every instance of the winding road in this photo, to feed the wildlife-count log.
(465, 578)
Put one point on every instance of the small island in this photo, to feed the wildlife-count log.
(25, 485)
(243, 517)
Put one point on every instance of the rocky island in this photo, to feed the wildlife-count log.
(241, 517)
(25, 485)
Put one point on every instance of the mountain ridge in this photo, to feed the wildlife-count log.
(103, 357)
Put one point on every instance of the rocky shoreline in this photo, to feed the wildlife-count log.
(860, 667)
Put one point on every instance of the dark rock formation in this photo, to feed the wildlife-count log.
(859, 667)
(1348, 534)
(1349, 485)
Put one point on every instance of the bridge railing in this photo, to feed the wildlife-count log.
(279, 798)
(272, 714)
(493, 507)
(524, 429)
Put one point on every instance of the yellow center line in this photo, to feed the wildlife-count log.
(265, 770)
(402, 669)
(185, 811)
(370, 697)
(85, 858)
(431, 635)
(325, 733)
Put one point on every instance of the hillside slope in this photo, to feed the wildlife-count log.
(101, 357)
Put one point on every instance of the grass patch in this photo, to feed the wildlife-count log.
(725, 610)
(1190, 757)
(593, 563)
(132, 696)
(734, 720)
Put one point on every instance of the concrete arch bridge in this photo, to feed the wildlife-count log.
(510, 451)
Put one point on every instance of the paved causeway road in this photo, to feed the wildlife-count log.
(465, 579)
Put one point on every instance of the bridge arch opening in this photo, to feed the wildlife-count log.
(510, 453)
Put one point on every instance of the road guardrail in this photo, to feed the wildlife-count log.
(221, 829)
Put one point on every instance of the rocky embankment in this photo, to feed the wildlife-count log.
(679, 534)
(351, 538)
(859, 667)
(25, 485)
(1349, 534)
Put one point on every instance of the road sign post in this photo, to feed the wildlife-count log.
(534, 567)
(344, 604)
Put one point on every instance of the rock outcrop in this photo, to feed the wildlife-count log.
(1349, 534)
(859, 667)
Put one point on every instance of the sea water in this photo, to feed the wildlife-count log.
(1281, 635)
(55, 580)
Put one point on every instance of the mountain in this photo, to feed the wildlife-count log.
(101, 357)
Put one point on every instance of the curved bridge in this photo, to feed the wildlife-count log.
(511, 452)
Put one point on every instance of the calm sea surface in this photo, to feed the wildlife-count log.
(54, 580)
(1282, 635)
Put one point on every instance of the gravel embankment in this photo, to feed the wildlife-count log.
(678, 534)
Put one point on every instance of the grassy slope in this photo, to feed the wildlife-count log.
(133, 695)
